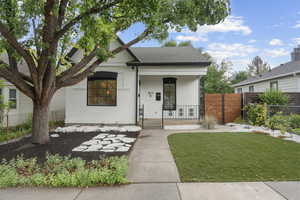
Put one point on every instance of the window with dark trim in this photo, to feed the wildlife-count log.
(251, 88)
(169, 90)
(12, 98)
(102, 89)
(240, 90)
(274, 85)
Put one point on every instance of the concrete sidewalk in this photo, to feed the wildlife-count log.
(164, 191)
(151, 160)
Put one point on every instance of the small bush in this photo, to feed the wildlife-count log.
(58, 171)
(279, 122)
(274, 97)
(256, 114)
(239, 120)
(209, 122)
(295, 121)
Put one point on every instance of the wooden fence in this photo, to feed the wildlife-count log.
(224, 107)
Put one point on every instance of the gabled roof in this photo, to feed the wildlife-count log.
(283, 70)
(168, 56)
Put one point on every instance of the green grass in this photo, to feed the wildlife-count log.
(224, 157)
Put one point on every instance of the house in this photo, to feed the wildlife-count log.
(285, 78)
(21, 106)
(154, 80)
(157, 81)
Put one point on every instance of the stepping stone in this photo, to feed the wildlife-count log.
(107, 150)
(54, 135)
(128, 140)
(104, 142)
(122, 149)
(90, 142)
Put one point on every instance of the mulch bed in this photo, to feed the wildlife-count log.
(62, 145)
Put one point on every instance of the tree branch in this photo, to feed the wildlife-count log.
(21, 51)
(75, 20)
(61, 12)
(15, 78)
(81, 76)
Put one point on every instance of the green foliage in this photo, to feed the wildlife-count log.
(216, 80)
(257, 114)
(170, 43)
(239, 77)
(274, 97)
(279, 122)
(60, 171)
(239, 120)
(294, 121)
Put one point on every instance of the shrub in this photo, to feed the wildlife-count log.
(58, 171)
(295, 121)
(209, 122)
(256, 114)
(274, 97)
(279, 122)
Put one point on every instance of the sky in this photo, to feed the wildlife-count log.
(266, 28)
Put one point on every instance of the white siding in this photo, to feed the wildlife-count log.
(77, 110)
(287, 84)
(187, 93)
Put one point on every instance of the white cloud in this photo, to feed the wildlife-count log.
(274, 53)
(222, 51)
(230, 24)
(297, 40)
(276, 42)
(190, 38)
(297, 24)
(252, 41)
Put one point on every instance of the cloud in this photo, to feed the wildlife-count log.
(252, 41)
(274, 53)
(276, 42)
(222, 51)
(230, 24)
(297, 24)
(190, 38)
(297, 40)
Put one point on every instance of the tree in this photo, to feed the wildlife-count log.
(173, 43)
(42, 32)
(216, 80)
(239, 77)
(258, 66)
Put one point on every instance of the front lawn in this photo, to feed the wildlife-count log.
(224, 157)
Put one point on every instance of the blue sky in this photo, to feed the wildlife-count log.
(268, 28)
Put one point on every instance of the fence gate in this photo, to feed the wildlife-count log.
(224, 107)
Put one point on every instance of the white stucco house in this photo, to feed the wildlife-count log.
(156, 78)
(285, 78)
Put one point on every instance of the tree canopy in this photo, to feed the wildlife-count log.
(238, 77)
(258, 66)
(42, 32)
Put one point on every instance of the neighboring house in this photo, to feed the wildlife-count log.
(21, 106)
(157, 79)
(285, 78)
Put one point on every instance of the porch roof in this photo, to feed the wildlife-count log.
(166, 56)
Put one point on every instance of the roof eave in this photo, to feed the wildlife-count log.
(203, 64)
(266, 79)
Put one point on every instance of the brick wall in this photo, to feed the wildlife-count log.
(224, 107)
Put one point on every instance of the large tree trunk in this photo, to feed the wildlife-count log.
(40, 123)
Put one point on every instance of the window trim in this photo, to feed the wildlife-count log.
(102, 75)
(277, 85)
(170, 80)
(16, 99)
(251, 86)
(239, 90)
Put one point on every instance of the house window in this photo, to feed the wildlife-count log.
(12, 98)
(102, 89)
(169, 90)
(251, 88)
(180, 112)
(274, 85)
(191, 112)
(240, 90)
